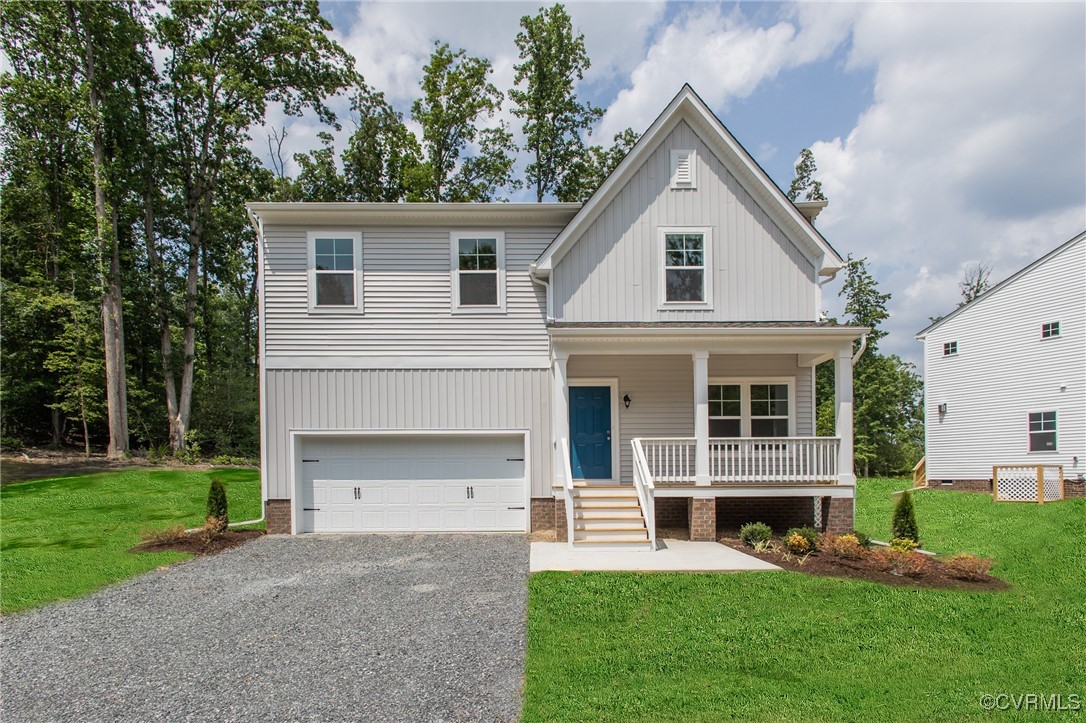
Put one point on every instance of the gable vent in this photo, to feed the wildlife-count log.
(683, 169)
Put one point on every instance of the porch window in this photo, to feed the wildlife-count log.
(1042, 432)
(685, 267)
(769, 410)
(725, 410)
(758, 408)
(335, 271)
(478, 270)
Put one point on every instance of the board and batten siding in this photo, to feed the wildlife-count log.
(407, 297)
(407, 399)
(1003, 370)
(661, 388)
(612, 272)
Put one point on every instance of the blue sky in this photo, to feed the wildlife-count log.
(946, 134)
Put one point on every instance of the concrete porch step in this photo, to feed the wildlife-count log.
(612, 545)
(596, 503)
(611, 535)
(615, 523)
(604, 492)
(607, 513)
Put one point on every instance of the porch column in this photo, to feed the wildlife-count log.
(846, 474)
(560, 419)
(701, 417)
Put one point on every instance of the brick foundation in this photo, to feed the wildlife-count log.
(1074, 488)
(561, 525)
(542, 514)
(838, 515)
(780, 513)
(702, 520)
(278, 516)
(962, 485)
(672, 512)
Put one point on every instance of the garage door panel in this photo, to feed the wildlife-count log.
(414, 484)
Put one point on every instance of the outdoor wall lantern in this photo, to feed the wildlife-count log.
(626, 400)
(942, 408)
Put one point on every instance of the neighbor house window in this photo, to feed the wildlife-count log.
(758, 408)
(478, 271)
(1042, 431)
(686, 267)
(1050, 329)
(335, 263)
(950, 348)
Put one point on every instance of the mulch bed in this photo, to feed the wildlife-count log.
(194, 543)
(935, 575)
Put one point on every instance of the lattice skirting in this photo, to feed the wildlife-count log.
(1040, 483)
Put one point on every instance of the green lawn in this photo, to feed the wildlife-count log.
(787, 646)
(66, 536)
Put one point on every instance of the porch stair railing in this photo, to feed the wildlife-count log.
(646, 490)
(744, 460)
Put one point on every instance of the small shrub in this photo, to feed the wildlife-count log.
(216, 501)
(213, 529)
(863, 538)
(964, 566)
(755, 532)
(158, 453)
(903, 524)
(843, 546)
(901, 562)
(191, 453)
(903, 544)
(232, 461)
(809, 534)
(163, 537)
(796, 543)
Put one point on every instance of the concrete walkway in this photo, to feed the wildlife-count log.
(676, 556)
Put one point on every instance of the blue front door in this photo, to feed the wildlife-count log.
(590, 432)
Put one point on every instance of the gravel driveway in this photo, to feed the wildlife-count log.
(330, 628)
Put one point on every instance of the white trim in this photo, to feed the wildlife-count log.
(454, 270)
(364, 361)
(707, 268)
(296, 435)
(616, 432)
(261, 355)
(677, 154)
(311, 271)
(744, 399)
(775, 490)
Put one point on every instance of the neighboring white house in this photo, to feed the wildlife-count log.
(515, 366)
(1005, 375)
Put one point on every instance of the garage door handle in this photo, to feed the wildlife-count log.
(515, 508)
(514, 459)
(311, 509)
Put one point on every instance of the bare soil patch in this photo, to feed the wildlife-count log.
(194, 542)
(33, 463)
(935, 573)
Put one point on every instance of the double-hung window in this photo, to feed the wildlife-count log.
(686, 280)
(1042, 431)
(478, 271)
(335, 270)
(755, 408)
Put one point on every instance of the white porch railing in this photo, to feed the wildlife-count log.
(745, 460)
(567, 489)
(646, 490)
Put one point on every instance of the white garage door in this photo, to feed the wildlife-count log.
(408, 484)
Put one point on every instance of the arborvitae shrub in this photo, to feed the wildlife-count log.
(216, 501)
(903, 524)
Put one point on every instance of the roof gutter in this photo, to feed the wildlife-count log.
(860, 352)
(533, 273)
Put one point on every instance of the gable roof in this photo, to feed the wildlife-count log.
(687, 105)
(1005, 282)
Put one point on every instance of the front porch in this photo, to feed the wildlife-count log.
(719, 417)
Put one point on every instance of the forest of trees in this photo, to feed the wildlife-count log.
(129, 270)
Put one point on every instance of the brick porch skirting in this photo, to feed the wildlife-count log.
(838, 515)
(543, 514)
(278, 516)
(962, 485)
(780, 513)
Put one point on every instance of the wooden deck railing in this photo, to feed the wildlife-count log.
(744, 460)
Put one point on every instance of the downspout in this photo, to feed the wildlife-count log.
(822, 283)
(533, 272)
(860, 352)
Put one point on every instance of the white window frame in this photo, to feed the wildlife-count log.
(311, 270)
(1053, 329)
(1056, 431)
(454, 270)
(676, 154)
(707, 267)
(745, 384)
(947, 351)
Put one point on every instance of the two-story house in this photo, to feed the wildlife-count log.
(645, 357)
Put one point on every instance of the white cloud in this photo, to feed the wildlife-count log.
(971, 152)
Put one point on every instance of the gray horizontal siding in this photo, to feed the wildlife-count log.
(662, 390)
(406, 297)
(612, 273)
(412, 399)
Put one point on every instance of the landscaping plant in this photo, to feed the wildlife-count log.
(903, 523)
(904, 544)
(216, 501)
(809, 535)
(845, 546)
(755, 532)
(964, 566)
(901, 562)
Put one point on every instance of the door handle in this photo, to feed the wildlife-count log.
(311, 509)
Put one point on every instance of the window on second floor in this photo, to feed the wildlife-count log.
(1050, 329)
(950, 348)
(686, 279)
(478, 272)
(1042, 431)
(335, 270)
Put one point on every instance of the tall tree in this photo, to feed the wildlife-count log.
(804, 183)
(864, 303)
(457, 97)
(553, 59)
(224, 62)
(975, 282)
(380, 152)
(592, 165)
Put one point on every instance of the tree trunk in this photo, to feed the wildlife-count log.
(112, 300)
(58, 427)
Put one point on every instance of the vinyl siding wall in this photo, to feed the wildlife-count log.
(662, 391)
(411, 399)
(407, 298)
(1004, 370)
(612, 273)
